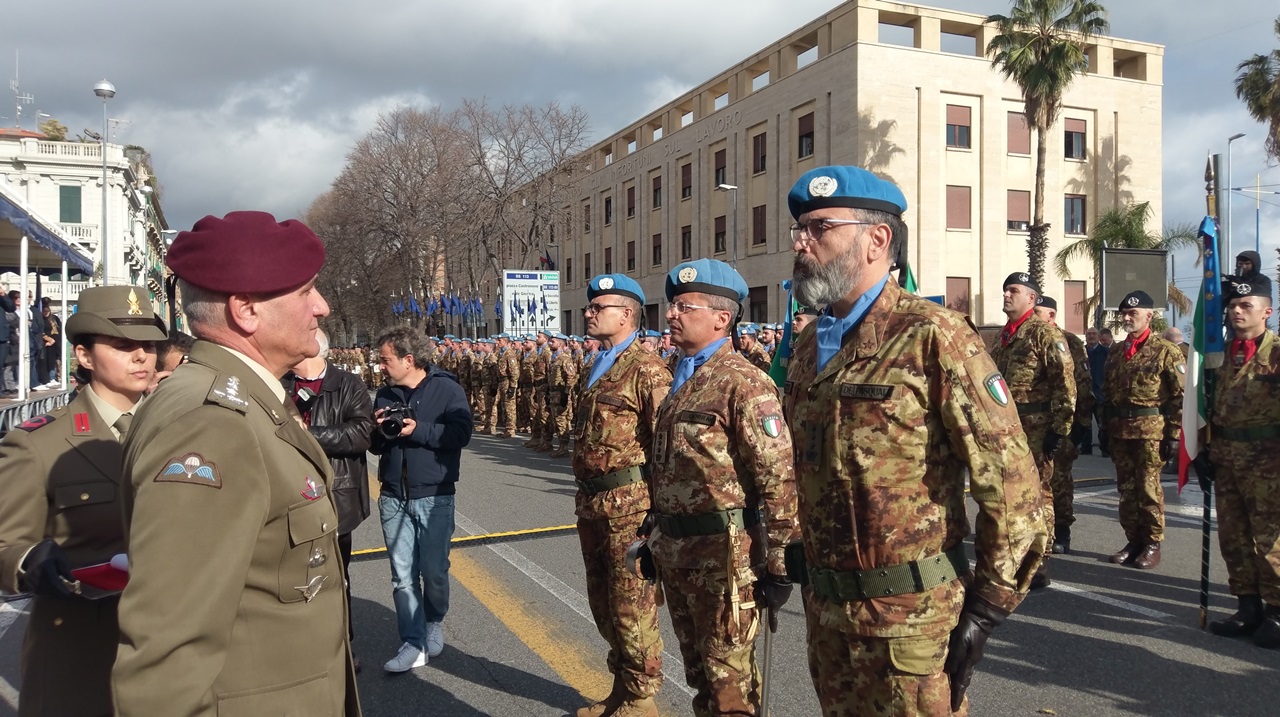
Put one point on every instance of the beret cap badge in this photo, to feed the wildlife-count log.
(1243, 289)
(1133, 301)
(606, 283)
(823, 186)
(687, 274)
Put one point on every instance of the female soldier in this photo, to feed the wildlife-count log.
(59, 506)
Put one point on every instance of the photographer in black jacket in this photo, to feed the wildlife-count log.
(418, 471)
(335, 407)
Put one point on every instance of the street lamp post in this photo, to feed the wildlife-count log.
(106, 91)
(733, 208)
(1226, 213)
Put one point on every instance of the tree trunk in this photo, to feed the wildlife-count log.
(1038, 236)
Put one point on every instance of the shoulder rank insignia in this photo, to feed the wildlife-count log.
(313, 490)
(227, 393)
(35, 422)
(191, 468)
(82, 422)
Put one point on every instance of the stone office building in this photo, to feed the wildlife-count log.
(902, 90)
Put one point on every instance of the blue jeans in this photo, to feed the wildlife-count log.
(417, 533)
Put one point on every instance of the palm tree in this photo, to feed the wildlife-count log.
(1258, 84)
(1124, 228)
(1040, 45)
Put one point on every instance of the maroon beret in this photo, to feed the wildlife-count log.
(246, 253)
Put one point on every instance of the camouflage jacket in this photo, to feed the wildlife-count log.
(541, 364)
(884, 435)
(613, 430)
(562, 374)
(758, 357)
(527, 361)
(1037, 367)
(1084, 380)
(1151, 379)
(508, 369)
(721, 443)
(1249, 394)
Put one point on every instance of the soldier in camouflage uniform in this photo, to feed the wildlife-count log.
(445, 359)
(1142, 390)
(751, 350)
(1064, 489)
(508, 378)
(613, 435)
(1244, 456)
(1037, 367)
(541, 440)
(891, 400)
(724, 492)
(527, 356)
(562, 376)
(484, 380)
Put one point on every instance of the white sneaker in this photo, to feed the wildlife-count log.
(406, 659)
(435, 638)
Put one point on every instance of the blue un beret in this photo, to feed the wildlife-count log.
(619, 284)
(747, 329)
(840, 186)
(706, 276)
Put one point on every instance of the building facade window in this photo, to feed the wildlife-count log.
(1019, 210)
(586, 218)
(69, 204)
(759, 225)
(686, 181)
(720, 244)
(586, 266)
(804, 129)
(608, 260)
(958, 203)
(657, 192)
(631, 256)
(686, 242)
(758, 306)
(631, 202)
(1074, 138)
(720, 173)
(568, 270)
(958, 124)
(608, 211)
(759, 154)
(657, 250)
(1019, 134)
(1073, 219)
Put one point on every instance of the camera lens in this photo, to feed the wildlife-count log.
(392, 427)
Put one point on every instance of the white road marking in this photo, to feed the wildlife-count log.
(10, 611)
(575, 600)
(1113, 602)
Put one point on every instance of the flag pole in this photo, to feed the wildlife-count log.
(1206, 545)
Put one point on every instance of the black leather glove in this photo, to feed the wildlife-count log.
(1051, 441)
(968, 639)
(646, 527)
(1080, 434)
(1168, 449)
(46, 571)
(1205, 471)
(772, 591)
(511, 393)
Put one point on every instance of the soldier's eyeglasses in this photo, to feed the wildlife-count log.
(593, 309)
(680, 307)
(815, 228)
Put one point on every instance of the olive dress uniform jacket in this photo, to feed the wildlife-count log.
(60, 479)
(235, 604)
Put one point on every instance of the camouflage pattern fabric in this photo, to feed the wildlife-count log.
(1248, 484)
(538, 406)
(859, 676)
(884, 434)
(1151, 379)
(504, 405)
(720, 443)
(758, 357)
(562, 376)
(1062, 483)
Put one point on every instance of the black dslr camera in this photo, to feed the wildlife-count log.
(393, 419)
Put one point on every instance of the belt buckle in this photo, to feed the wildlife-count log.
(824, 584)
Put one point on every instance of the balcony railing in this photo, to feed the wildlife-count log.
(82, 233)
(53, 289)
(69, 149)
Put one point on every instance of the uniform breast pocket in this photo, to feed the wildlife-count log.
(307, 567)
(877, 415)
(78, 494)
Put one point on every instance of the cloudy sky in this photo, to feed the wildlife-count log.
(254, 104)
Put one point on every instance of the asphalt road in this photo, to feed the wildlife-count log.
(1102, 640)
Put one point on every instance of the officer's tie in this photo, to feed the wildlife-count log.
(122, 424)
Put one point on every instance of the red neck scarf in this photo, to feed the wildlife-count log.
(1242, 350)
(1133, 343)
(1012, 327)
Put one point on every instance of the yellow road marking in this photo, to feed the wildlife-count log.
(557, 650)
(484, 536)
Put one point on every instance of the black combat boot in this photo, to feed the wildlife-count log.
(1062, 540)
(1268, 633)
(1126, 554)
(1041, 578)
(1244, 622)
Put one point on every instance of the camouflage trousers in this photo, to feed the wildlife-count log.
(1044, 466)
(484, 401)
(859, 676)
(717, 641)
(1063, 484)
(1138, 481)
(538, 412)
(503, 410)
(1249, 517)
(524, 404)
(624, 607)
(559, 419)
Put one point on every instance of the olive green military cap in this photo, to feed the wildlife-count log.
(123, 311)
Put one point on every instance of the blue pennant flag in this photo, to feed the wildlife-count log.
(414, 307)
(519, 306)
(544, 303)
(533, 305)
(1213, 341)
(497, 308)
(397, 308)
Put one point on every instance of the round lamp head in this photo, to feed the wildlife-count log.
(104, 89)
